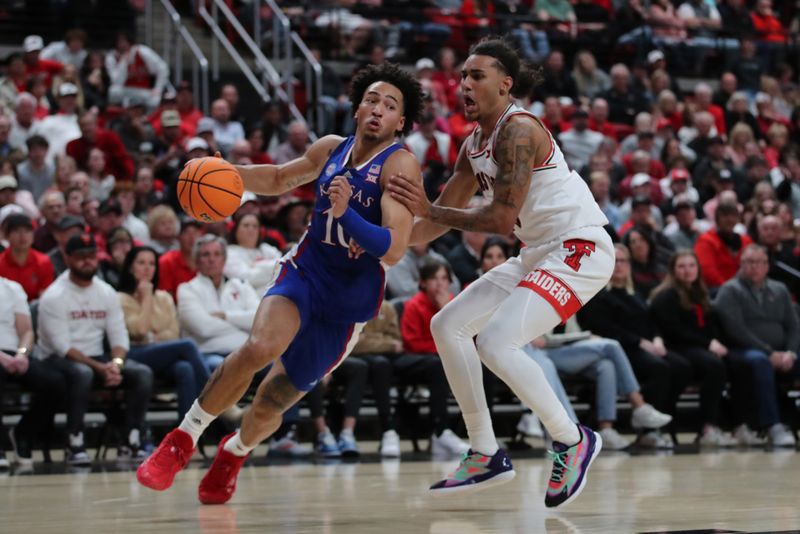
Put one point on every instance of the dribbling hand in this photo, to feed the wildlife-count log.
(339, 192)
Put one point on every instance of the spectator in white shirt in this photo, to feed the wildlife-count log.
(75, 314)
(23, 121)
(579, 143)
(70, 51)
(126, 196)
(247, 259)
(47, 385)
(216, 311)
(61, 128)
(295, 146)
(136, 71)
(226, 131)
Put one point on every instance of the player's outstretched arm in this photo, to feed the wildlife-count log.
(389, 241)
(457, 193)
(515, 152)
(278, 179)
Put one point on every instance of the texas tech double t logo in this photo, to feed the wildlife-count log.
(578, 248)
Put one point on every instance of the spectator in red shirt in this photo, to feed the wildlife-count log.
(720, 249)
(421, 362)
(118, 161)
(768, 27)
(184, 99)
(20, 262)
(177, 266)
(258, 155)
(448, 77)
(32, 46)
(554, 117)
(598, 118)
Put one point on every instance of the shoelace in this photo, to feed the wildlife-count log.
(163, 460)
(559, 465)
(465, 457)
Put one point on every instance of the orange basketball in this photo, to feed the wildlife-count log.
(210, 189)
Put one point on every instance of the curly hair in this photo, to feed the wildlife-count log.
(525, 76)
(394, 75)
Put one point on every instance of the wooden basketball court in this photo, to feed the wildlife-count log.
(735, 491)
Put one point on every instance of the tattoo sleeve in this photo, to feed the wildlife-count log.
(514, 151)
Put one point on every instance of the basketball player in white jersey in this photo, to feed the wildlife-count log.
(567, 258)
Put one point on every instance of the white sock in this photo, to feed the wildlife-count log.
(481, 434)
(522, 317)
(236, 447)
(196, 421)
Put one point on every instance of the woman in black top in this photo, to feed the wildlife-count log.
(647, 265)
(619, 312)
(681, 309)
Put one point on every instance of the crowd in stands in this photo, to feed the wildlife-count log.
(109, 286)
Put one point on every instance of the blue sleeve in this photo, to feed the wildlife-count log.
(374, 239)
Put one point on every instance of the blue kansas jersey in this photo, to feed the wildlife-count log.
(343, 289)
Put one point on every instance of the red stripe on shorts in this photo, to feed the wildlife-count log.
(554, 290)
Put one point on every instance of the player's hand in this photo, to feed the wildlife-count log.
(339, 192)
(218, 154)
(355, 251)
(411, 194)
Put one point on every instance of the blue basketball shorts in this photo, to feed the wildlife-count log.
(319, 346)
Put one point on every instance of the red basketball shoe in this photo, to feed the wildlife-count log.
(172, 455)
(218, 485)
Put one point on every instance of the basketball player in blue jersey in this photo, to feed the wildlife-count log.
(566, 259)
(327, 287)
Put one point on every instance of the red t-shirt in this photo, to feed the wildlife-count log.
(34, 276)
(415, 324)
(47, 66)
(173, 271)
(118, 161)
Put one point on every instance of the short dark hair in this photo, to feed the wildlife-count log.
(392, 74)
(127, 283)
(37, 140)
(432, 266)
(726, 208)
(525, 77)
(237, 221)
(494, 241)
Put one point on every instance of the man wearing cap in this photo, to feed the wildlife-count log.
(226, 131)
(118, 161)
(75, 314)
(686, 228)
(177, 266)
(20, 262)
(32, 46)
(109, 217)
(720, 249)
(677, 185)
(580, 142)
(205, 131)
(135, 69)
(638, 163)
(169, 147)
(68, 226)
(132, 126)
(61, 128)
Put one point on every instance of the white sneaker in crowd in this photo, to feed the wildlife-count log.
(612, 440)
(448, 443)
(645, 416)
(529, 425)
(390, 444)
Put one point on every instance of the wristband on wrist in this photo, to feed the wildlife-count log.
(374, 239)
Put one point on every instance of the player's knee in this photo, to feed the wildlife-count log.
(489, 346)
(259, 352)
(443, 325)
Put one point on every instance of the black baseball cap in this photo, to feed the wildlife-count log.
(640, 200)
(70, 221)
(80, 243)
(110, 205)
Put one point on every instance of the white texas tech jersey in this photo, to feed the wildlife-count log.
(558, 200)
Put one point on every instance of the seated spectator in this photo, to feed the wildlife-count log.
(95, 81)
(22, 120)
(781, 254)
(147, 196)
(12, 84)
(100, 183)
(723, 184)
(152, 323)
(466, 257)
(61, 128)
(226, 130)
(720, 249)
(590, 80)
(579, 143)
(125, 195)
(135, 70)
(118, 244)
(435, 151)
(553, 118)
(603, 361)
(641, 208)
(258, 155)
(70, 51)
(618, 312)
(132, 126)
(682, 311)
(558, 80)
(17, 367)
(177, 266)
(648, 265)
(248, 259)
(677, 186)
(65, 168)
(421, 363)
(761, 322)
(686, 228)
(184, 101)
(162, 225)
(68, 226)
(75, 313)
(20, 262)
(624, 102)
(402, 280)
(9, 153)
(598, 118)
(353, 373)
(379, 345)
(600, 185)
(36, 173)
(296, 144)
(741, 134)
(109, 218)
(118, 162)
(217, 312)
(34, 64)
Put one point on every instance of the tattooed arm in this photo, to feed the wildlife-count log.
(278, 179)
(515, 152)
